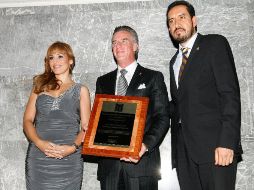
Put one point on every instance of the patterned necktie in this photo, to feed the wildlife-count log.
(122, 83)
(184, 62)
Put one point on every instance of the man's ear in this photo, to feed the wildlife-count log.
(194, 21)
(135, 47)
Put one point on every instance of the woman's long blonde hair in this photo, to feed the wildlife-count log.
(47, 80)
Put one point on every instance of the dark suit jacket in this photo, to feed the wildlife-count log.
(207, 100)
(157, 121)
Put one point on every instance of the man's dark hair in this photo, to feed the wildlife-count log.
(133, 34)
(188, 6)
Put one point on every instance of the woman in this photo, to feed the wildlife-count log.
(56, 110)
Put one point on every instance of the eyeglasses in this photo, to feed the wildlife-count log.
(124, 41)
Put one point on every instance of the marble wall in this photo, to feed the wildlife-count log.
(26, 33)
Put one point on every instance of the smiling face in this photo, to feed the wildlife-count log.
(181, 24)
(59, 62)
(124, 48)
(59, 55)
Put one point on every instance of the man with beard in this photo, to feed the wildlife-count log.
(205, 107)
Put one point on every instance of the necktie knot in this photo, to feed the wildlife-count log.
(123, 72)
(184, 51)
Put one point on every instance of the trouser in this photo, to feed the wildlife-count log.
(121, 181)
(208, 176)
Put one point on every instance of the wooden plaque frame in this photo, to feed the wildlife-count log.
(89, 148)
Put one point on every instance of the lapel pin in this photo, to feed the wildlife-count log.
(197, 48)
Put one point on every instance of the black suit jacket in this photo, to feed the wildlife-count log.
(207, 100)
(157, 121)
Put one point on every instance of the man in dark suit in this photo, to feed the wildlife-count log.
(205, 107)
(128, 173)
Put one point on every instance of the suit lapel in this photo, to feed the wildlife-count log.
(111, 83)
(135, 81)
(173, 85)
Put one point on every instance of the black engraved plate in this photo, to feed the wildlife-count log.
(115, 124)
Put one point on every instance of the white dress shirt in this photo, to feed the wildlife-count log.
(130, 72)
(178, 62)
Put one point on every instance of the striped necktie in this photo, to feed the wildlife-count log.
(184, 62)
(122, 83)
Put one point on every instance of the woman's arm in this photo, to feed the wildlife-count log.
(28, 119)
(85, 110)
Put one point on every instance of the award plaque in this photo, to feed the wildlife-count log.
(116, 126)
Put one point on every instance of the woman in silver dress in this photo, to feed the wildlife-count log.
(55, 120)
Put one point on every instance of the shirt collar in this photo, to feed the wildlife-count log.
(130, 68)
(190, 42)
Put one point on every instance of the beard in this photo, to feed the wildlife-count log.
(185, 37)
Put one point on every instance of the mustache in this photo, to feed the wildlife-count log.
(179, 28)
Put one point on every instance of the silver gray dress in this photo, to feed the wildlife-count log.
(57, 120)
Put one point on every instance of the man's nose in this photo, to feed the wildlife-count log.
(177, 23)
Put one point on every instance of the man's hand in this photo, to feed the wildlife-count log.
(141, 153)
(223, 156)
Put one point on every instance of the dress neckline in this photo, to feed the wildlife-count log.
(60, 95)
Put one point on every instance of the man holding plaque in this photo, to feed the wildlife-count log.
(131, 79)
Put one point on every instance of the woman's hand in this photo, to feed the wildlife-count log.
(49, 149)
(65, 150)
